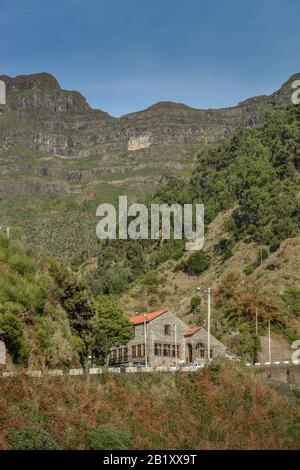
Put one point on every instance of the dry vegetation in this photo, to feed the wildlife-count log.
(224, 407)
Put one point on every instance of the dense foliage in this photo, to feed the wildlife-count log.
(254, 172)
(48, 313)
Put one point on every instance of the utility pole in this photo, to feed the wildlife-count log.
(208, 326)
(270, 357)
(175, 340)
(145, 338)
(208, 320)
(256, 322)
(261, 260)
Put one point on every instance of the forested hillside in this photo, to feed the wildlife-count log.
(48, 314)
(252, 178)
(249, 185)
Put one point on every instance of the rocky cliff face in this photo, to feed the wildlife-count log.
(41, 116)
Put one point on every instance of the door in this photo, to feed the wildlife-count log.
(190, 349)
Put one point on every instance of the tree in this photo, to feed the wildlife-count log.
(240, 298)
(196, 263)
(291, 297)
(112, 327)
(195, 302)
(12, 329)
(78, 302)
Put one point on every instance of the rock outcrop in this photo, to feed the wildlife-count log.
(39, 115)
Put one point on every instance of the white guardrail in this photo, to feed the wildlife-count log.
(118, 370)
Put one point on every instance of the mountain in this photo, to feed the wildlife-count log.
(59, 159)
(61, 122)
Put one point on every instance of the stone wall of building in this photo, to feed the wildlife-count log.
(166, 344)
(2, 353)
(198, 343)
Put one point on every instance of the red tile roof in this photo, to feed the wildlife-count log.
(192, 331)
(137, 319)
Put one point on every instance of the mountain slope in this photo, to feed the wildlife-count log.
(59, 159)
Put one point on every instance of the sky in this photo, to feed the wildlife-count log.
(125, 55)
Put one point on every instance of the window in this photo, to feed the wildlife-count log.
(133, 349)
(200, 349)
(114, 354)
(125, 354)
(177, 354)
(167, 329)
(120, 354)
(167, 350)
(139, 350)
(143, 350)
(157, 349)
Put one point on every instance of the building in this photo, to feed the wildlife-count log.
(2, 352)
(166, 340)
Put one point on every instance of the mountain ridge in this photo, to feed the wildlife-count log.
(75, 129)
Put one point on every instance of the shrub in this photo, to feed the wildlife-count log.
(291, 297)
(196, 263)
(248, 270)
(195, 302)
(13, 328)
(274, 247)
(224, 247)
(108, 438)
(264, 253)
(179, 267)
(33, 439)
(271, 267)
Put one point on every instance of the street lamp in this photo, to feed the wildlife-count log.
(145, 339)
(199, 289)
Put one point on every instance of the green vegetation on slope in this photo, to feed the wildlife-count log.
(255, 172)
(48, 314)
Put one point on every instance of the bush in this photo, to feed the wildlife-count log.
(274, 247)
(179, 267)
(195, 302)
(264, 253)
(224, 247)
(196, 263)
(291, 297)
(271, 267)
(33, 439)
(248, 270)
(108, 438)
(13, 328)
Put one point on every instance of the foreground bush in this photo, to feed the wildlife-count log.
(33, 439)
(108, 437)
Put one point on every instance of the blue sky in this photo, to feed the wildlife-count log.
(125, 55)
